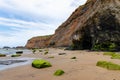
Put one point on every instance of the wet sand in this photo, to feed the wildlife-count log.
(82, 68)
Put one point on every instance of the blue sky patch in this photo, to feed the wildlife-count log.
(21, 20)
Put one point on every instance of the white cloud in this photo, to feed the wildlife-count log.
(53, 11)
(22, 31)
(22, 24)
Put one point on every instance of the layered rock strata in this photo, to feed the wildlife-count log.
(93, 25)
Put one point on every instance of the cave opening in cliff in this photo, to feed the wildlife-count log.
(84, 43)
(87, 42)
(103, 36)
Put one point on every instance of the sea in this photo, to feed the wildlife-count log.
(13, 51)
(9, 52)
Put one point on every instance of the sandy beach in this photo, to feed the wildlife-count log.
(82, 68)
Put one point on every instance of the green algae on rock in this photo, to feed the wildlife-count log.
(2, 55)
(40, 63)
(59, 72)
(108, 65)
(15, 55)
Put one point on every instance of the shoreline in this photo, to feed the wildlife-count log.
(82, 68)
(24, 61)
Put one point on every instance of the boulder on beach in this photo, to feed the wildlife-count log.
(61, 53)
(2, 55)
(15, 55)
(40, 63)
(19, 52)
(59, 72)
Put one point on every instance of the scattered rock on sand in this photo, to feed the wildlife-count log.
(59, 72)
(19, 52)
(40, 63)
(2, 55)
(15, 55)
(61, 53)
(73, 58)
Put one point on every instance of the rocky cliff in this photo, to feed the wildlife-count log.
(95, 25)
(38, 42)
(101, 27)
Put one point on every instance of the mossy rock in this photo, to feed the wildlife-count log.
(40, 63)
(46, 50)
(105, 46)
(51, 57)
(40, 50)
(109, 53)
(19, 52)
(46, 53)
(108, 65)
(59, 72)
(115, 56)
(15, 55)
(73, 57)
(2, 55)
(34, 50)
(61, 53)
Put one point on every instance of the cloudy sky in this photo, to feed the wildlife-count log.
(22, 19)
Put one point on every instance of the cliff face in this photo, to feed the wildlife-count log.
(95, 24)
(38, 42)
(101, 27)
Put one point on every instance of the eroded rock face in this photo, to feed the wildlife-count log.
(102, 28)
(94, 22)
(38, 42)
(93, 25)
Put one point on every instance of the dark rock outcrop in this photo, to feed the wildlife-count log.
(101, 28)
(95, 25)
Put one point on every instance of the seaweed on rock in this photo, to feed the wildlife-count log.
(40, 63)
